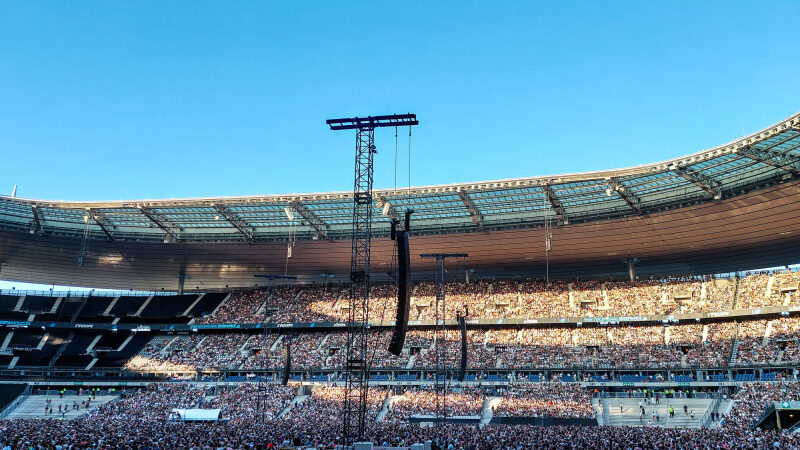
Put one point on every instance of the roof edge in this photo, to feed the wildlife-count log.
(792, 122)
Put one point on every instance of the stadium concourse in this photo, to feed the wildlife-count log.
(567, 346)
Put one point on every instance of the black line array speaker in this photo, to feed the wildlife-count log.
(403, 293)
(462, 324)
(288, 368)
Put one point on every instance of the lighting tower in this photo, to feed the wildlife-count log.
(356, 367)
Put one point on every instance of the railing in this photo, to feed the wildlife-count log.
(677, 394)
(769, 410)
(706, 420)
(735, 344)
(61, 349)
(21, 398)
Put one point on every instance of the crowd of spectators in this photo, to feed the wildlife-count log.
(189, 353)
(139, 420)
(625, 347)
(566, 400)
(239, 307)
(422, 402)
(498, 299)
(752, 291)
(614, 347)
(478, 354)
(325, 405)
(791, 353)
(751, 349)
(715, 349)
(752, 399)
(248, 402)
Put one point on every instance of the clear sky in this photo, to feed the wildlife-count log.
(128, 100)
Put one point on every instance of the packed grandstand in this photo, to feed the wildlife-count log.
(735, 334)
(661, 358)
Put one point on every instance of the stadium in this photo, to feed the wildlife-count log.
(584, 295)
(627, 278)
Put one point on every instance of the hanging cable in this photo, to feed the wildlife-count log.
(87, 232)
(291, 239)
(395, 162)
(84, 241)
(548, 244)
(409, 160)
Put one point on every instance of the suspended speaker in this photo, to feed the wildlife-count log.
(462, 323)
(403, 293)
(288, 368)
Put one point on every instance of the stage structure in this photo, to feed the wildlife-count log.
(356, 368)
(269, 310)
(440, 383)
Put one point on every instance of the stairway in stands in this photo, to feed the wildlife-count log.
(33, 406)
(489, 405)
(734, 345)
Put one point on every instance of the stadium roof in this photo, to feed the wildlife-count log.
(733, 207)
(762, 159)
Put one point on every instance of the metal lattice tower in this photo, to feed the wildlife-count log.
(356, 366)
(440, 382)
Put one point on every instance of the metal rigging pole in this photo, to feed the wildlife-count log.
(263, 395)
(440, 382)
(356, 368)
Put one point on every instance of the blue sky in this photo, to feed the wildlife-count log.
(128, 100)
(152, 99)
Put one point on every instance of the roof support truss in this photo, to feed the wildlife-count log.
(477, 217)
(556, 204)
(312, 219)
(36, 223)
(103, 223)
(779, 160)
(161, 222)
(237, 222)
(624, 193)
(702, 181)
(782, 141)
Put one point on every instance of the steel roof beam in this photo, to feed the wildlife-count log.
(103, 223)
(237, 222)
(625, 194)
(312, 219)
(785, 162)
(161, 222)
(36, 223)
(702, 181)
(477, 217)
(556, 204)
(781, 142)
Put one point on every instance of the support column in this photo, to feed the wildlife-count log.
(631, 269)
(181, 280)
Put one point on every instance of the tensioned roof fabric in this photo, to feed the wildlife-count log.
(762, 159)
